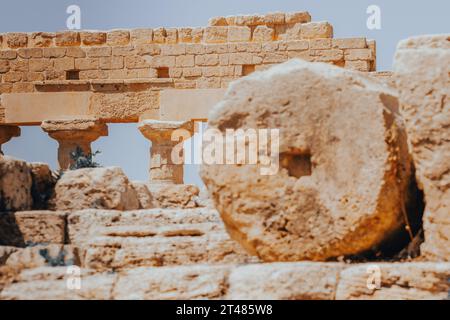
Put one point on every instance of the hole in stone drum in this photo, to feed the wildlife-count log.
(297, 164)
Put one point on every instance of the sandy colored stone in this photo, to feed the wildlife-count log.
(144, 196)
(398, 281)
(422, 68)
(263, 34)
(72, 134)
(52, 255)
(43, 184)
(298, 17)
(67, 39)
(172, 283)
(50, 283)
(284, 281)
(7, 133)
(88, 224)
(239, 34)
(32, 227)
(15, 185)
(100, 188)
(343, 168)
(16, 40)
(118, 37)
(92, 38)
(5, 252)
(157, 237)
(173, 195)
(314, 30)
(166, 136)
(216, 34)
(175, 246)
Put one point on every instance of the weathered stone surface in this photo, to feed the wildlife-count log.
(134, 247)
(344, 167)
(398, 281)
(144, 196)
(32, 227)
(43, 184)
(52, 255)
(422, 68)
(157, 237)
(86, 225)
(172, 283)
(174, 195)
(73, 134)
(49, 283)
(15, 185)
(7, 132)
(284, 281)
(163, 167)
(100, 188)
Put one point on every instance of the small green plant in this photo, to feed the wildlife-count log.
(82, 160)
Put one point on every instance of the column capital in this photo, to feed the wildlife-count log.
(72, 134)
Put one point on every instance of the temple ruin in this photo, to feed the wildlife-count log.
(371, 196)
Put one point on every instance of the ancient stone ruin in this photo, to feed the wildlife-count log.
(362, 185)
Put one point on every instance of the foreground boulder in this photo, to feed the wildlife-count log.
(97, 188)
(15, 185)
(422, 67)
(344, 164)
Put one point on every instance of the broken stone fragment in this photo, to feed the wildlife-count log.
(343, 163)
(98, 188)
(422, 69)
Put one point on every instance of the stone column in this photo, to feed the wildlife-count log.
(71, 134)
(8, 132)
(162, 168)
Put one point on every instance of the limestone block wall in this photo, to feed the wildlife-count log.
(126, 69)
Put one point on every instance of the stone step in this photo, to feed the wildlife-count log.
(85, 225)
(288, 280)
(114, 253)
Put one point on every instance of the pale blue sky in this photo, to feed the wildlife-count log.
(125, 146)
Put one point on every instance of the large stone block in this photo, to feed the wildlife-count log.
(172, 283)
(32, 227)
(173, 195)
(88, 224)
(284, 281)
(395, 281)
(117, 240)
(421, 73)
(54, 283)
(338, 183)
(15, 185)
(99, 188)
